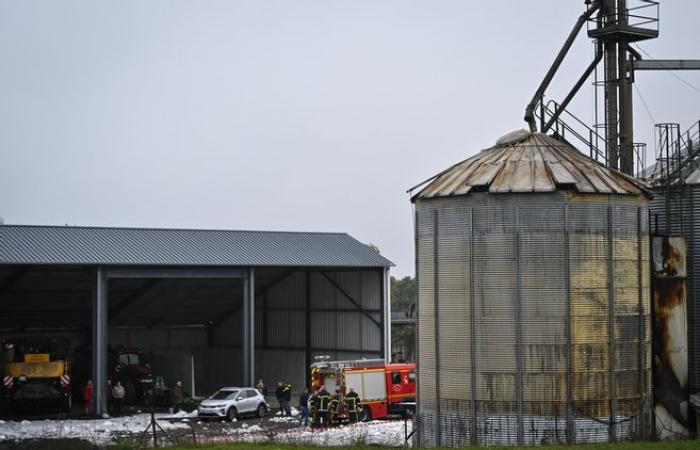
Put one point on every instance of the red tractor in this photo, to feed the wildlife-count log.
(384, 389)
(136, 376)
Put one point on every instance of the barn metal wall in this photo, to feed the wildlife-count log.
(338, 328)
(533, 319)
(342, 309)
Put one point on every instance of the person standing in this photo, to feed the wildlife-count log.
(313, 406)
(87, 396)
(178, 395)
(351, 403)
(279, 395)
(118, 393)
(110, 399)
(324, 399)
(304, 408)
(261, 387)
(287, 397)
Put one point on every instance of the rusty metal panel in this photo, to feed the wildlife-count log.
(535, 163)
(671, 398)
(676, 211)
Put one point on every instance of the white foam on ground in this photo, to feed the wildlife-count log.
(380, 433)
(100, 431)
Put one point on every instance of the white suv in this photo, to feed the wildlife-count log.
(233, 402)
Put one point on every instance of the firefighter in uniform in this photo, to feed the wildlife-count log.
(313, 407)
(351, 403)
(323, 399)
(335, 407)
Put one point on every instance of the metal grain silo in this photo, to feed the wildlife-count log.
(533, 304)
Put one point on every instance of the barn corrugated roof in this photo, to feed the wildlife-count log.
(522, 161)
(31, 244)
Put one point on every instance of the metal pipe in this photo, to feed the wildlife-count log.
(611, 89)
(626, 113)
(530, 109)
(575, 89)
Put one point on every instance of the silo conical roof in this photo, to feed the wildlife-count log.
(522, 162)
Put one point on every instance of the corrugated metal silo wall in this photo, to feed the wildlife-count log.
(515, 337)
(683, 210)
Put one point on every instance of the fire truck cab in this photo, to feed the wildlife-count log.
(384, 389)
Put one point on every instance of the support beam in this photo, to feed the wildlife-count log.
(349, 298)
(386, 314)
(307, 326)
(666, 64)
(539, 94)
(172, 272)
(249, 327)
(99, 342)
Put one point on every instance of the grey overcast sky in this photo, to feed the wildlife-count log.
(281, 115)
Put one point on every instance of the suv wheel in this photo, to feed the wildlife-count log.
(232, 414)
(261, 411)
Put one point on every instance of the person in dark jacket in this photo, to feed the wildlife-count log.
(287, 399)
(304, 408)
(313, 406)
(279, 395)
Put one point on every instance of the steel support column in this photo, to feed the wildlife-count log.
(386, 314)
(99, 342)
(249, 327)
(307, 325)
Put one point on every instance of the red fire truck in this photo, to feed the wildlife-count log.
(384, 389)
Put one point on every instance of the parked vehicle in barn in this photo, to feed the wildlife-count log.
(38, 377)
(230, 403)
(157, 393)
(135, 375)
(384, 389)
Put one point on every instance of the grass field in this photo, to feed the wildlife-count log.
(675, 445)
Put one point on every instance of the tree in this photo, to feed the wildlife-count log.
(403, 293)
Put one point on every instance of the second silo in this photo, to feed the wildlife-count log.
(533, 303)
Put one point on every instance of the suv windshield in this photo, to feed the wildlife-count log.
(224, 394)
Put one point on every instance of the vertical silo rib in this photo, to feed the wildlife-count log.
(472, 332)
(611, 326)
(436, 317)
(640, 343)
(518, 332)
(570, 429)
(417, 422)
